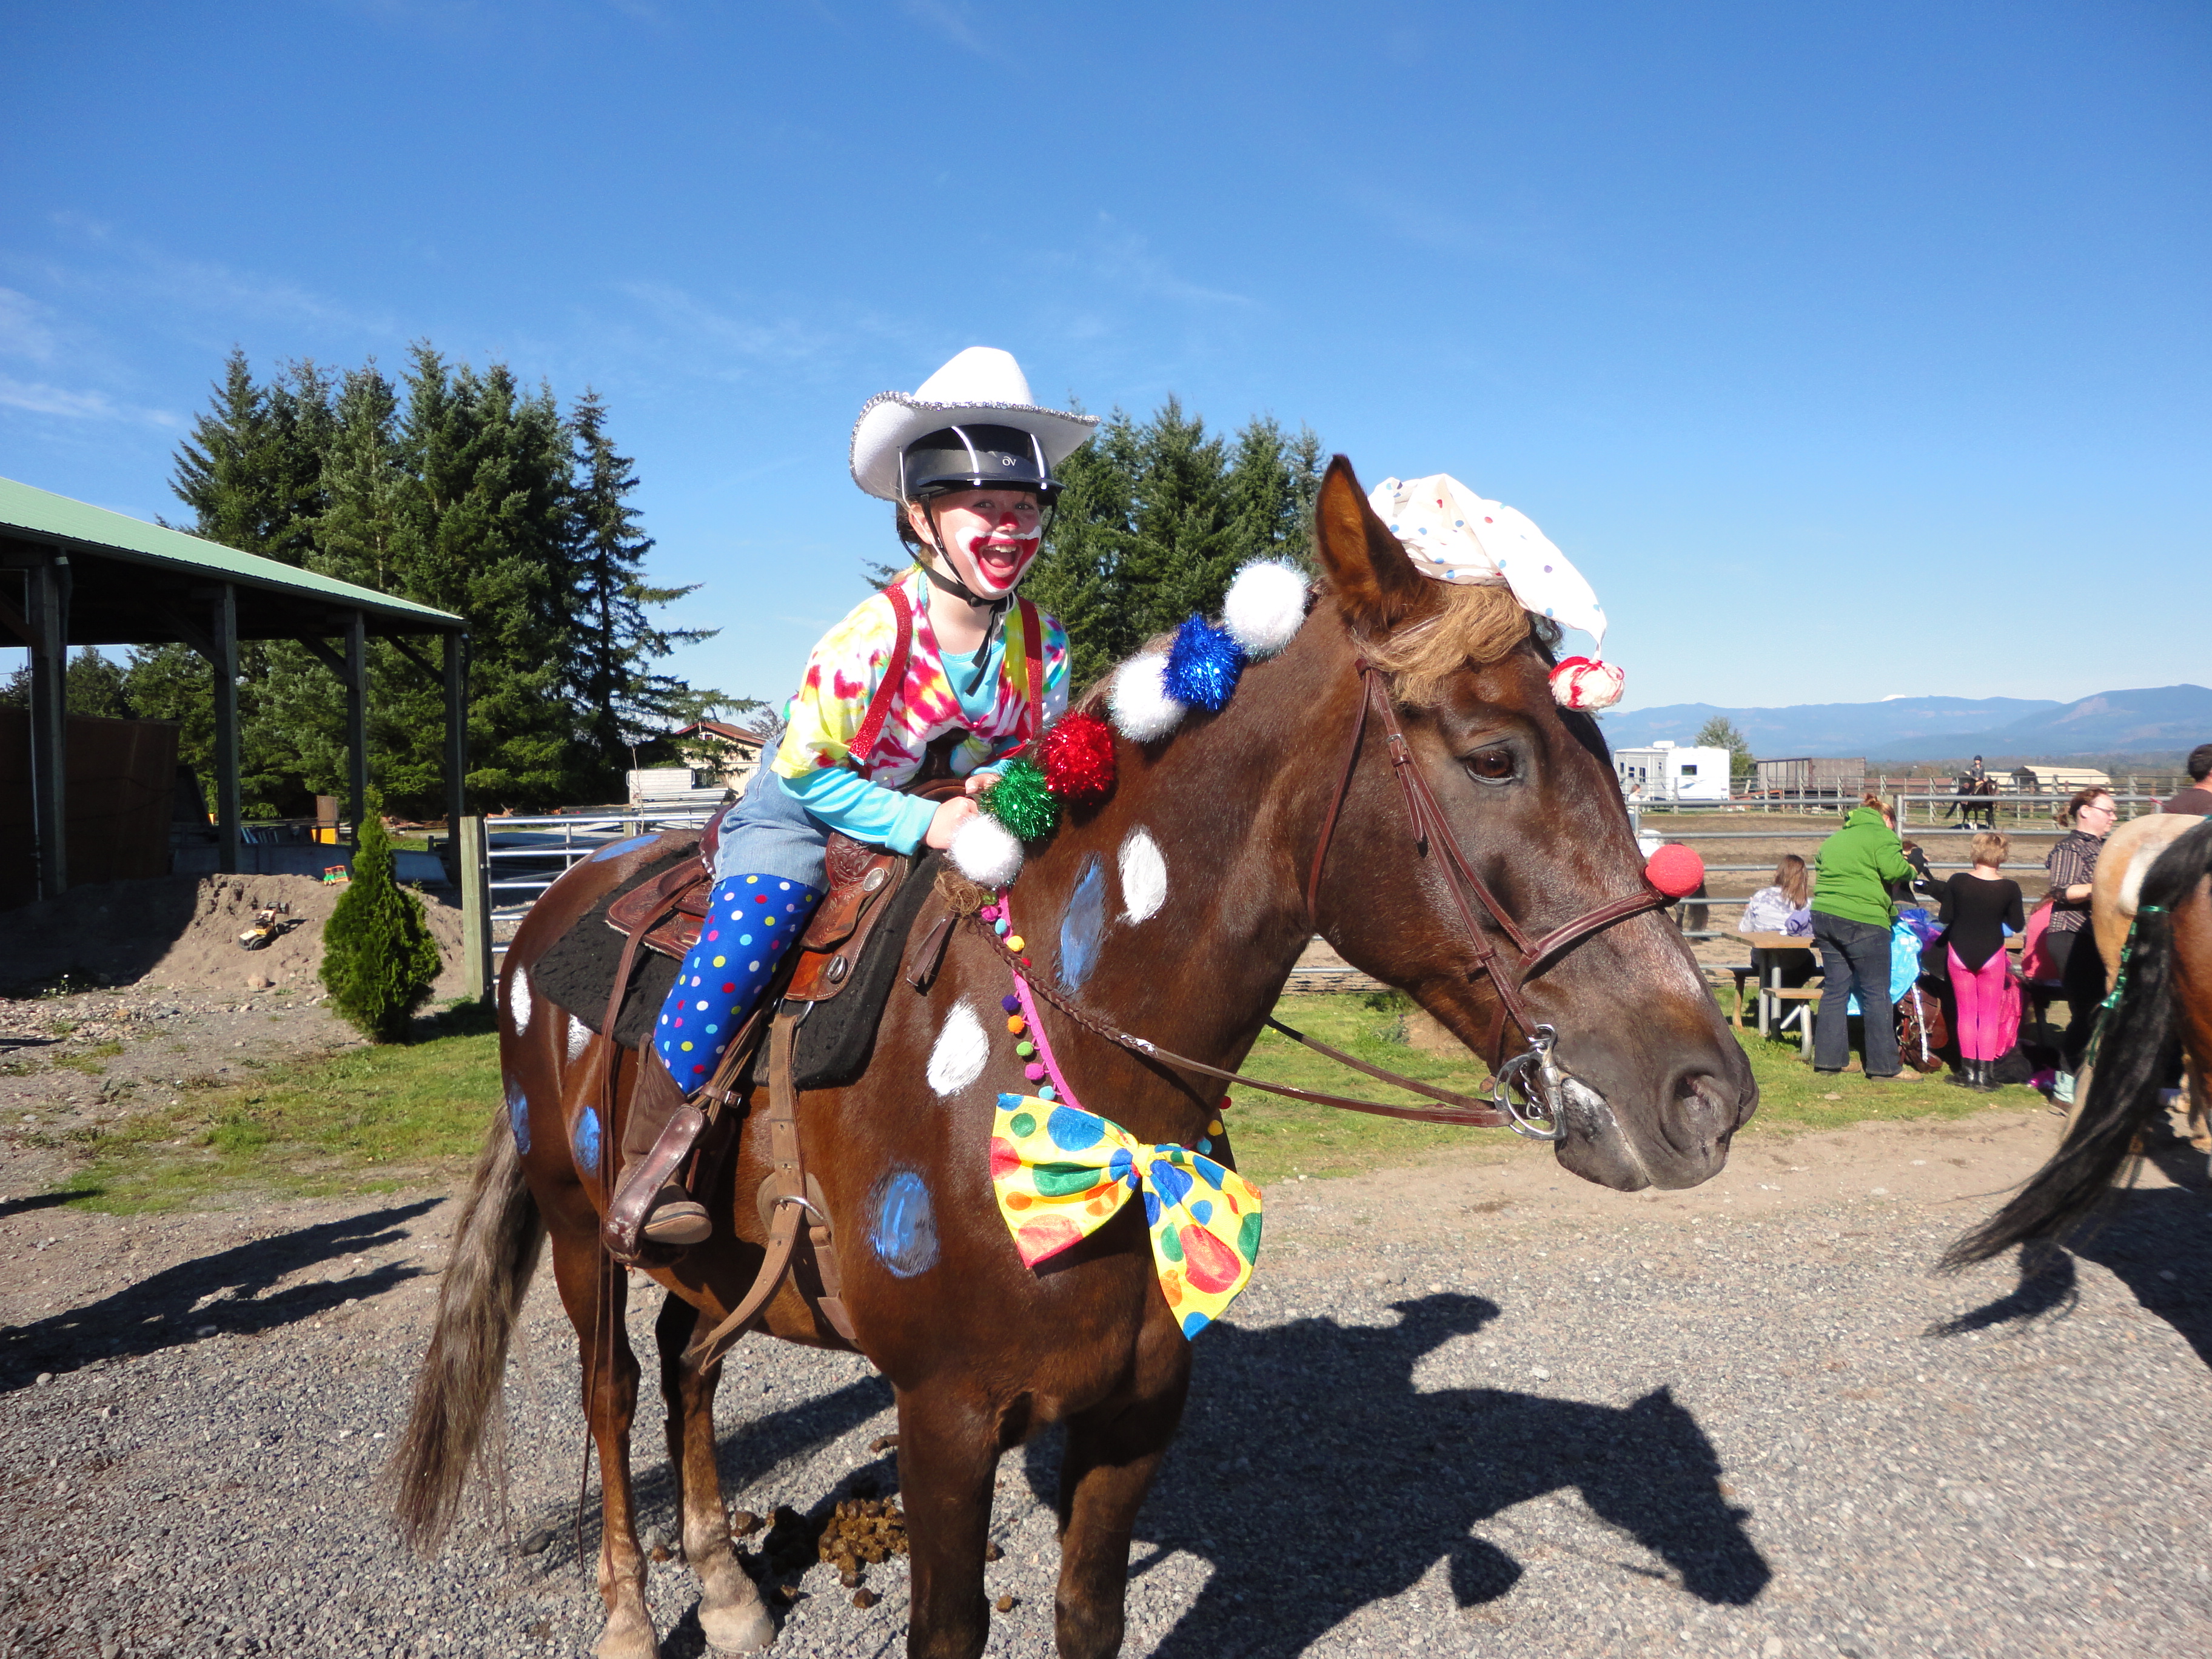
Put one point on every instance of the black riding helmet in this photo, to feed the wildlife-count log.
(975, 458)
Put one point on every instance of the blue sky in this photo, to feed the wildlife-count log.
(1849, 351)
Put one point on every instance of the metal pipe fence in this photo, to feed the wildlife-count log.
(528, 855)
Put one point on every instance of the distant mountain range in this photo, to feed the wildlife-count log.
(2156, 718)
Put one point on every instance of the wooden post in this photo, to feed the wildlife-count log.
(470, 855)
(457, 732)
(222, 635)
(356, 690)
(46, 595)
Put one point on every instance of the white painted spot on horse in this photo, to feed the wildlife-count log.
(518, 998)
(580, 1036)
(963, 1049)
(1144, 877)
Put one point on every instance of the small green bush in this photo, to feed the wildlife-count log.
(378, 958)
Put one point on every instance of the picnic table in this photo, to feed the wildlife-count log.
(1773, 994)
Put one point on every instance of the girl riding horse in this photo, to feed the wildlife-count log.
(967, 460)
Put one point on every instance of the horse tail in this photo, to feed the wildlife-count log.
(2123, 1093)
(458, 1392)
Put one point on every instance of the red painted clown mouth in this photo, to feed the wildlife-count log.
(1000, 558)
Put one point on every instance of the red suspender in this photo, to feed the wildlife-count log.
(1033, 650)
(879, 705)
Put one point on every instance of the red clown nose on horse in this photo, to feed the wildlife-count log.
(921, 1050)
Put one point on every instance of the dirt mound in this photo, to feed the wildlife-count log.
(181, 932)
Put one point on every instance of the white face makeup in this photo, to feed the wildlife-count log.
(990, 535)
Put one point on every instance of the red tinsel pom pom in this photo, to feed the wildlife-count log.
(1675, 870)
(1078, 759)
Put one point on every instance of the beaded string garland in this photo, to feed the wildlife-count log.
(1073, 764)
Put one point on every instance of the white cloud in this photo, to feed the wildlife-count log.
(23, 332)
(949, 19)
(37, 398)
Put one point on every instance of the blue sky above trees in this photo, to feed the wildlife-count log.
(1849, 353)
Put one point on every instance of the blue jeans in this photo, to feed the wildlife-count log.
(1854, 956)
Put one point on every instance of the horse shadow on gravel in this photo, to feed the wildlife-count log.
(1316, 1479)
(223, 1291)
(2155, 1241)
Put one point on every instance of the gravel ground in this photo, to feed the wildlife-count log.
(1480, 1409)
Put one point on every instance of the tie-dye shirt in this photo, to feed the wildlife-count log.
(831, 703)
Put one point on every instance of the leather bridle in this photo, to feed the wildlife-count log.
(1533, 1072)
(1432, 833)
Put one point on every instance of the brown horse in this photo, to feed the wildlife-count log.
(1193, 877)
(2163, 977)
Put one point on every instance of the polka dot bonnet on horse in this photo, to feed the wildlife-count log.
(1454, 535)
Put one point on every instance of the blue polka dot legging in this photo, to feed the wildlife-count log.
(750, 922)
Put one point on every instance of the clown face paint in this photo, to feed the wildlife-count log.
(990, 534)
(1144, 877)
(962, 1050)
(1084, 927)
(903, 1225)
(518, 998)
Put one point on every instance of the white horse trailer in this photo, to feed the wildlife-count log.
(1670, 771)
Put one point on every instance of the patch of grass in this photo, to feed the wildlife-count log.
(88, 1059)
(366, 1121)
(1274, 1139)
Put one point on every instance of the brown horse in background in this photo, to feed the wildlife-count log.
(1201, 860)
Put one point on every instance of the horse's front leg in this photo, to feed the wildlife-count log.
(731, 1611)
(594, 1291)
(948, 1447)
(1113, 1453)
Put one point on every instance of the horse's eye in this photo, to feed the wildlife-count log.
(1494, 764)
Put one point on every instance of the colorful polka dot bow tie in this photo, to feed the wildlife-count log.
(1061, 1174)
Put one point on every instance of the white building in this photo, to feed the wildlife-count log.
(1668, 771)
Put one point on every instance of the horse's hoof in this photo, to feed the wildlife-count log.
(737, 1629)
(627, 1636)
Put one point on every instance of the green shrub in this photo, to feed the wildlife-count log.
(378, 958)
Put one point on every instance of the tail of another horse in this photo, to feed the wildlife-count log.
(457, 1395)
(2123, 1092)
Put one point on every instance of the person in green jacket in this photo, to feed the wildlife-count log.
(1851, 918)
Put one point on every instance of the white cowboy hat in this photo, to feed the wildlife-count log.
(982, 386)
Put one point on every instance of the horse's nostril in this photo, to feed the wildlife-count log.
(1703, 1109)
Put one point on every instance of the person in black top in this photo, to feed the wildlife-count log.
(1979, 906)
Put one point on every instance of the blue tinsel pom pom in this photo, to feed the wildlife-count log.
(1203, 665)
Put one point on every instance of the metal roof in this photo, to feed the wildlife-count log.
(128, 575)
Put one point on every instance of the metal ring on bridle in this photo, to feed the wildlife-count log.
(1545, 1093)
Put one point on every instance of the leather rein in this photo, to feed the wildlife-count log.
(1533, 1072)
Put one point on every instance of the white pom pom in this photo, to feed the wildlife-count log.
(985, 850)
(1140, 703)
(1265, 606)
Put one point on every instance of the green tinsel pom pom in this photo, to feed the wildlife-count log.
(1022, 801)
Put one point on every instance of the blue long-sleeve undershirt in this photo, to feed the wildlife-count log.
(853, 806)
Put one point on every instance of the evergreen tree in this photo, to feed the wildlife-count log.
(620, 701)
(379, 957)
(252, 471)
(1155, 520)
(91, 685)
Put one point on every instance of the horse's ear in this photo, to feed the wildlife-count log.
(1376, 585)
